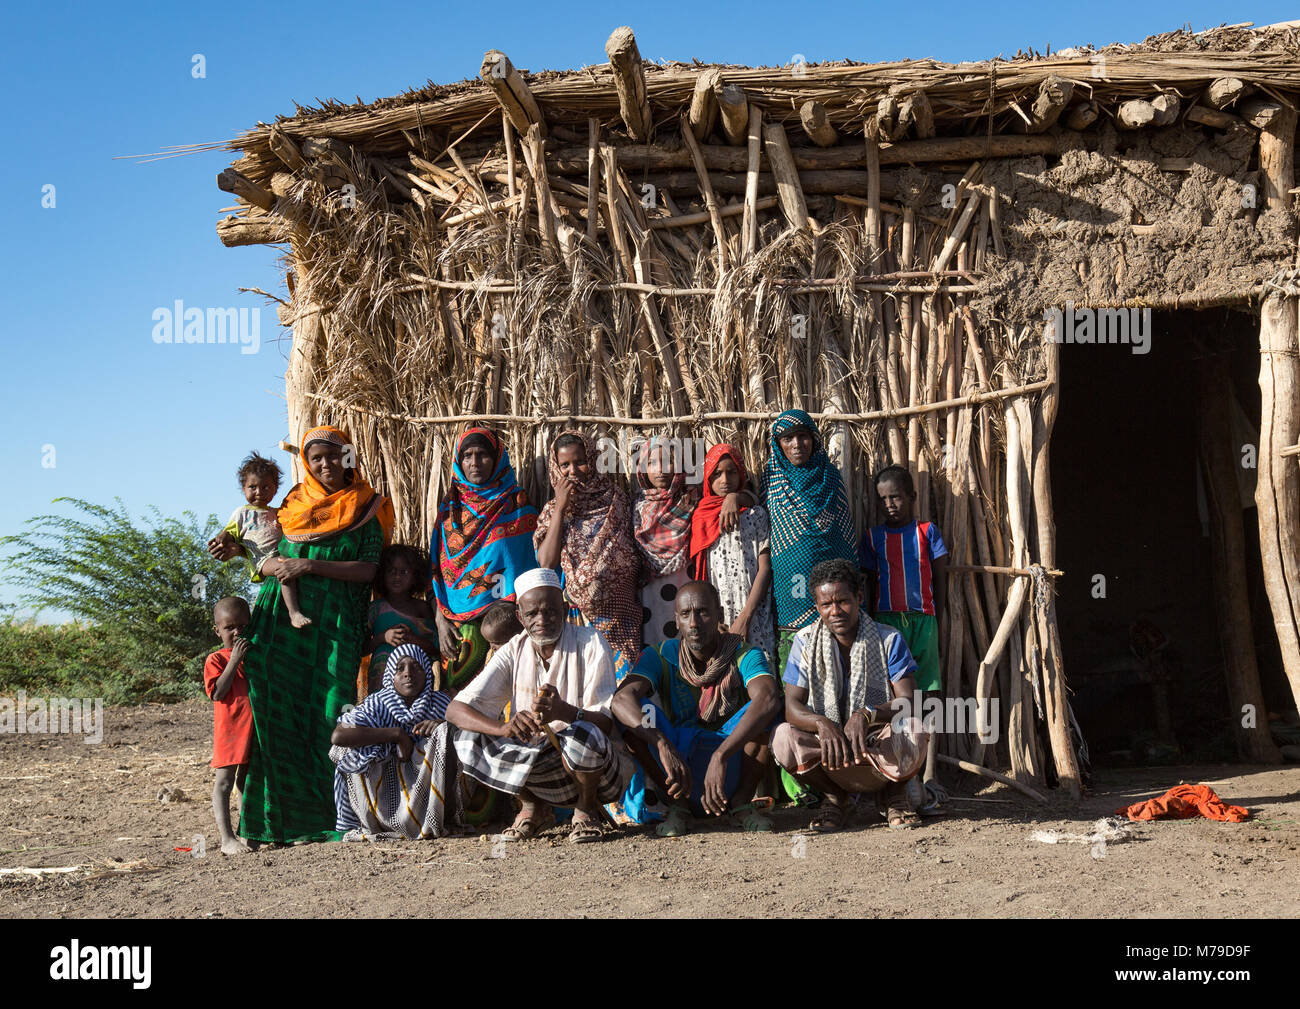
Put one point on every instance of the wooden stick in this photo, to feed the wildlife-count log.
(812, 115)
(994, 569)
(710, 201)
(966, 765)
(512, 93)
(788, 186)
(593, 176)
(749, 223)
(703, 112)
(716, 415)
(572, 160)
(230, 181)
(1277, 491)
(629, 80)
(734, 109)
(704, 217)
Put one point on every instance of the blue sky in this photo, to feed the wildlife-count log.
(167, 425)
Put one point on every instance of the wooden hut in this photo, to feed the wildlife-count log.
(915, 252)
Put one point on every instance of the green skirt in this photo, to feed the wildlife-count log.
(298, 684)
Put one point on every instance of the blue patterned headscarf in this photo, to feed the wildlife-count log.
(811, 521)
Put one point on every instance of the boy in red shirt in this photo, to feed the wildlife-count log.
(232, 716)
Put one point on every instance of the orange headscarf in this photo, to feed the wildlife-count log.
(311, 513)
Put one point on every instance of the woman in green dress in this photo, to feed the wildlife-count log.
(334, 526)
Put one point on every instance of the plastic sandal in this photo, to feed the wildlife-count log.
(677, 822)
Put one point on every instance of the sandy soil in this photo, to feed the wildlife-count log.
(66, 803)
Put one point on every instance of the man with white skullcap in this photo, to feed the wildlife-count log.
(553, 748)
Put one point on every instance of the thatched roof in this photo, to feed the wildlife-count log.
(1181, 62)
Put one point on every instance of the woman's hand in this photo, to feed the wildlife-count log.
(729, 513)
(564, 493)
(426, 727)
(398, 635)
(448, 638)
(289, 568)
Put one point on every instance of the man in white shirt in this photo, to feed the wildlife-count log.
(557, 680)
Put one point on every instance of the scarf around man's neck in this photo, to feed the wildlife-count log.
(719, 682)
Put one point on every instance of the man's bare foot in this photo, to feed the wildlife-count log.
(299, 620)
(234, 846)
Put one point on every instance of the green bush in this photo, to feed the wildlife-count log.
(142, 595)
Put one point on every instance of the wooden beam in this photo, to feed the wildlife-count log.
(704, 104)
(1212, 117)
(1226, 90)
(734, 108)
(1083, 115)
(915, 112)
(1277, 490)
(1259, 112)
(258, 230)
(1166, 109)
(788, 187)
(230, 181)
(511, 91)
(629, 79)
(656, 157)
(1219, 466)
(1135, 114)
(1054, 94)
(754, 151)
(812, 114)
(283, 147)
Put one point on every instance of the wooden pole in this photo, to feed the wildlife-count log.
(1058, 725)
(788, 187)
(1277, 492)
(512, 93)
(629, 80)
(1219, 466)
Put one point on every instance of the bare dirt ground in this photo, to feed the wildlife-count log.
(66, 803)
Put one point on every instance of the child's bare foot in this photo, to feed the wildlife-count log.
(234, 846)
(299, 620)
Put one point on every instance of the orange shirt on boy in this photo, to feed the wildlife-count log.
(232, 716)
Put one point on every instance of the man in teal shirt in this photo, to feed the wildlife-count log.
(697, 711)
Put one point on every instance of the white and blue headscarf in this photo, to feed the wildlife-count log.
(385, 709)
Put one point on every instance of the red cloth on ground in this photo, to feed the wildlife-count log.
(232, 716)
(1184, 801)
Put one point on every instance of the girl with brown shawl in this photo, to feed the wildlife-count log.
(586, 532)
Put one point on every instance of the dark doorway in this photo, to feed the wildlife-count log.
(1142, 649)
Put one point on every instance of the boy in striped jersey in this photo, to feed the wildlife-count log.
(906, 559)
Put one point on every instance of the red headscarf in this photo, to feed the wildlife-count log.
(705, 527)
